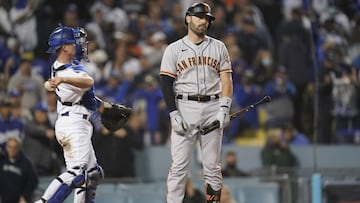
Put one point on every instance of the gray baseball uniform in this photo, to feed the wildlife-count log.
(196, 70)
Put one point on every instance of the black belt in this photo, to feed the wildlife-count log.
(84, 116)
(69, 103)
(198, 98)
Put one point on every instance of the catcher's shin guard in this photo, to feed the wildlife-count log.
(212, 196)
(95, 174)
(64, 190)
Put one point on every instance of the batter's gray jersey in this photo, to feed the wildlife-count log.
(196, 67)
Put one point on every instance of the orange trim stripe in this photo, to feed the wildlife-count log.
(225, 70)
(168, 74)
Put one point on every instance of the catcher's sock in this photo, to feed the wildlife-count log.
(212, 196)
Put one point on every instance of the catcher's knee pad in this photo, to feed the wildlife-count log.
(74, 178)
(212, 196)
(95, 174)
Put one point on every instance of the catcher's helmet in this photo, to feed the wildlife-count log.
(200, 9)
(67, 35)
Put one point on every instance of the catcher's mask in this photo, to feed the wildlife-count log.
(67, 35)
(198, 9)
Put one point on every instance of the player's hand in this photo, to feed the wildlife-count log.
(177, 122)
(223, 115)
(55, 81)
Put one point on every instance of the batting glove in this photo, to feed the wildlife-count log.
(223, 115)
(177, 122)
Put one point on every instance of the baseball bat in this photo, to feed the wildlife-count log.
(216, 124)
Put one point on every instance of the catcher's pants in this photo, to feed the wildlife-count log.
(74, 133)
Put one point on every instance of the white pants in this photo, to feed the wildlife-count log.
(74, 135)
(196, 115)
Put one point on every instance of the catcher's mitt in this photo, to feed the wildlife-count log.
(114, 116)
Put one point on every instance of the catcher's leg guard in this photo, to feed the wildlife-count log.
(78, 179)
(95, 174)
(212, 196)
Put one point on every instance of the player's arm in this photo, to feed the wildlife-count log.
(81, 81)
(226, 74)
(178, 123)
(168, 91)
(227, 84)
(167, 77)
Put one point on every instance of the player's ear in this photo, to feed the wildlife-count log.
(187, 19)
(63, 47)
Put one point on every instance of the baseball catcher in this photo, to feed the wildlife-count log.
(76, 103)
(114, 116)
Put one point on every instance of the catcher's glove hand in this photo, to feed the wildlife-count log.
(114, 116)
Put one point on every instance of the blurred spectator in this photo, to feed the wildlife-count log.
(156, 20)
(9, 126)
(231, 169)
(151, 93)
(291, 136)
(280, 85)
(178, 29)
(99, 58)
(28, 83)
(5, 24)
(24, 22)
(295, 28)
(101, 28)
(346, 105)
(112, 14)
(51, 100)
(138, 27)
(71, 17)
(282, 92)
(251, 41)
(154, 48)
(218, 26)
(11, 55)
(108, 90)
(238, 64)
(339, 18)
(17, 112)
(118, 147)
(263, 65)
(226, 195)
(17, 174)
(40, 143)
(192, 194)
(244, 7)
(246, 92)
(123, 63)
(327, 73)
(354, 46)
(294, 53)
(276, 153)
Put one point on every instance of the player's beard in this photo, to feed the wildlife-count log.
(199, 30)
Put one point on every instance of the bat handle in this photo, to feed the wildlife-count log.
(212, 126)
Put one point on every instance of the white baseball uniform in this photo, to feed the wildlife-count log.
(73, 128)
(196, 69)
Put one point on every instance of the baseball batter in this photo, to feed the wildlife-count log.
(76, 101)
(196, 80)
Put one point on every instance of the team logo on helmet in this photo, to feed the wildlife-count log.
(206, 8)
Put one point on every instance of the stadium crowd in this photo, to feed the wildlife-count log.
(306, 57)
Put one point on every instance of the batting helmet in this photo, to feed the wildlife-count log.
(200, 9)
(67, 35)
